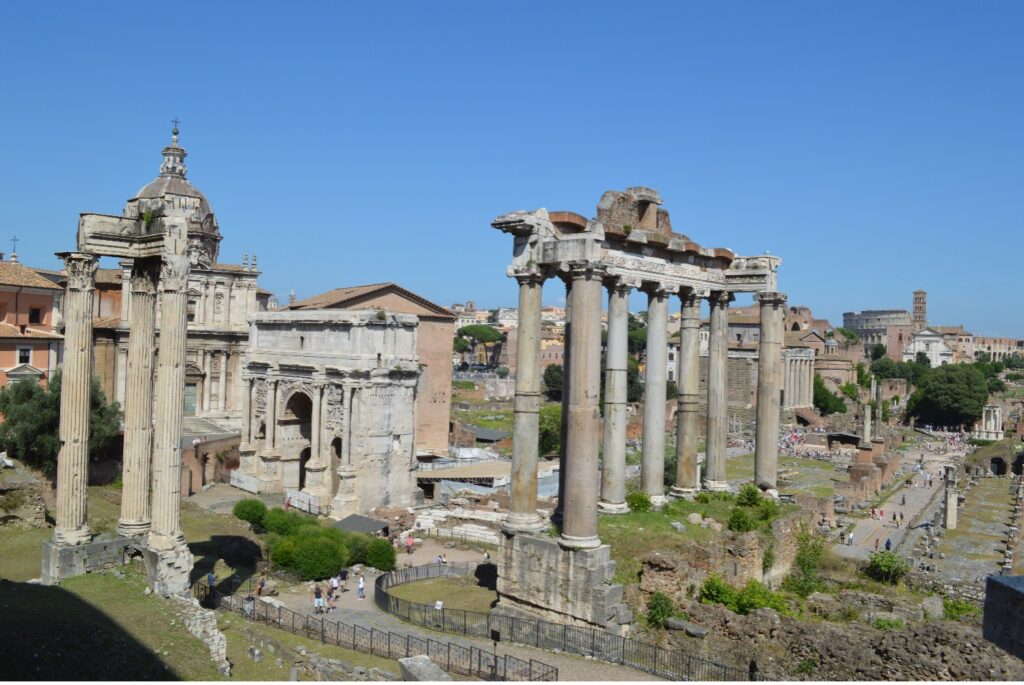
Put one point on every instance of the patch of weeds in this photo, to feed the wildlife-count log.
(887, 624)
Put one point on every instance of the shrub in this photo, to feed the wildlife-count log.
(768, 560)
(741, 521)
(282, 522)
(638, 501)
(714, 590)
(955, 609)
(318, 557)
(356, 544)
(806, 667)
(768, 509)
(282, 552)
(250, 510)
(886, 624)
(502, 372)
(887, 567)
(755, 595)
(804, 578)
(660, 609)
(380, 554)
(749, 495)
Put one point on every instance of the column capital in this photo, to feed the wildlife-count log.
(655, 289)
(145, 274)
(174, 270)
(81, 269)
(620, 284)
(720, 298)
(770, 297)
(530, 274)
(584, 269)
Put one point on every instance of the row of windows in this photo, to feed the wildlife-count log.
(35, 314)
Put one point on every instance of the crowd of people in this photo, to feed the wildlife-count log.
(326, 596)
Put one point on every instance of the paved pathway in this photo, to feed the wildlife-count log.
(868, 530)
(366, 614)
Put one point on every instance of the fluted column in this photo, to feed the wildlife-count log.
(579, 525)
(138, 405)
(718, 396)
(73, 460)
(563, 448)
(652, 466)
(222, 384)
(523, 515)
(271, 429)
(170, 389)
(314, 437)
(613, 467)
(688, 413)
(769, 356)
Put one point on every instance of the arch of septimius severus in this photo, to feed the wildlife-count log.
(630, 245)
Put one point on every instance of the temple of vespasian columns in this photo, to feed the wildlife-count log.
(629, 245)
(154, 233)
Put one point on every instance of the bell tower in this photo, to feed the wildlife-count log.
(920, 316)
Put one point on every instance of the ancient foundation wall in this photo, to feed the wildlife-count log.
(1004, 607)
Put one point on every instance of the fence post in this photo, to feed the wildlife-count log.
(449, 656)
(321, 630)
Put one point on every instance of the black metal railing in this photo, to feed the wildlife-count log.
(452, 657)
(587, 642)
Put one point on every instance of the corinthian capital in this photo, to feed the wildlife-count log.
(174, 271)
(81, 269)
(145, 275)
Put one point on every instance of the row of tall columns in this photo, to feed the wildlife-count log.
(799, 385)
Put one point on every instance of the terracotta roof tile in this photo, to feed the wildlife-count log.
(13, 273)
(339, 298)
(9, 331)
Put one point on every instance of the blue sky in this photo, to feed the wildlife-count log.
(876, 146)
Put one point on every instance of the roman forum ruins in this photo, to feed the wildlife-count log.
(629, 245)
(154, 233)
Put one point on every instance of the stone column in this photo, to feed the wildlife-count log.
(866, 413)
(271, 429)
(170, 571)
(688, 412)
(809, 380)
(563, 449)
(769, 355)
(718, 392)
(314, 428)
(246, 411)
(73, 460)
(579, 526)
(207, 381)
(652, 467)
(138, 406)
(222, 385)
(523, 517)
(613, 469)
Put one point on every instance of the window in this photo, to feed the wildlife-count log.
(35, 315)
(24, 355)
(191, 309)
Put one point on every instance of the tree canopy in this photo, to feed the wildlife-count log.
(31, 427)
(825, 401)
(951, 395)
(554, 379)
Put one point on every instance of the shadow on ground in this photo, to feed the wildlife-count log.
(51, 634)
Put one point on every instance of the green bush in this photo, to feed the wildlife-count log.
(357, 545)
(805, 576)
(282, 522)
(282, 552)
(380, 554)
(714, 590)
(887, 567)
(660, 609)
(887, 624)
(741, 521)
(638, 501)
(955, 609)
(749, 495)
(806, 667)
(318, 557)
(250, 510)
(755, 595)
(768, 509)
(768, 560)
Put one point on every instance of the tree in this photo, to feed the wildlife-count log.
(634, 388)
(825, 401)
(849, 337)
(502, 372)
(479, 334)
(31, 427)
(951, 395)
(887, 567)
(550, 432)
(636, 336)
(554, 379)
(922, 358)
(877, 351)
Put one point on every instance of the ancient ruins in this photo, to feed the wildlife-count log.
(629, 245)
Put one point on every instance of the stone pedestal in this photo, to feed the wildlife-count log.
(538, 578)
(346, 501)
(63, 561)
(169, 569)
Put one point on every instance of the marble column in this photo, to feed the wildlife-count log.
(579, 525)
(165, 533)
(138, 405)
(652, 466)
(271, 428)
(718, 392)
(222, 385)
(866, 413)
(688, 409)
(73, 461)
(616, 417)
(769, 356)
(563, 450)
(207, 381)
(314, 428)
(523, 516)
(246, 411)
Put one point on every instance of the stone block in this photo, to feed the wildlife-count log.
(255, 654)
(679, 527)
(694, 518)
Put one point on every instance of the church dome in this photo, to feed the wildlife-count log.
(180, 198)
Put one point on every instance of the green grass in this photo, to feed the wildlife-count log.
(22, 552)
(499, 419)
(456, 593)
(464, 385)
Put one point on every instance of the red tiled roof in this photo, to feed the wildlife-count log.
(13, 273)
(10, 331)
(340, 298)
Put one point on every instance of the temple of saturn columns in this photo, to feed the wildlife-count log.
(630, 245)
(154, 233)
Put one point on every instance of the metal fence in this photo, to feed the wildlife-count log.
(588, 642)
(455, 658)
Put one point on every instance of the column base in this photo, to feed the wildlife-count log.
(65, 537)
(162, 542)
(683, 493)
(612, 508)
(66, 561)
(133, 529)
(575, 542)
(523, 523)
(716, 485)
(658, 501)
(771, 492)
(169, 569)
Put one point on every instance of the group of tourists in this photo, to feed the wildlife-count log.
(325, 598)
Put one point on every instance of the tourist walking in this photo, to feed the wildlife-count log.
(335, 584)
(344, 579)
(361, 588)
(408, 544)
(211, 579)
(877, 540)
(888, 544)
(319, 606)
(849, 539)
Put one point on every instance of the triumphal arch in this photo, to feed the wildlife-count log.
(629, 245)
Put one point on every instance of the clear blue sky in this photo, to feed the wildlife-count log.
(876, 146)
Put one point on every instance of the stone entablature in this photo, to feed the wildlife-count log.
(330, 407)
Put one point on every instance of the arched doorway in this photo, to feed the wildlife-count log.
(335, 463)
(997, 466)
(296, 429)
(303, 460)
